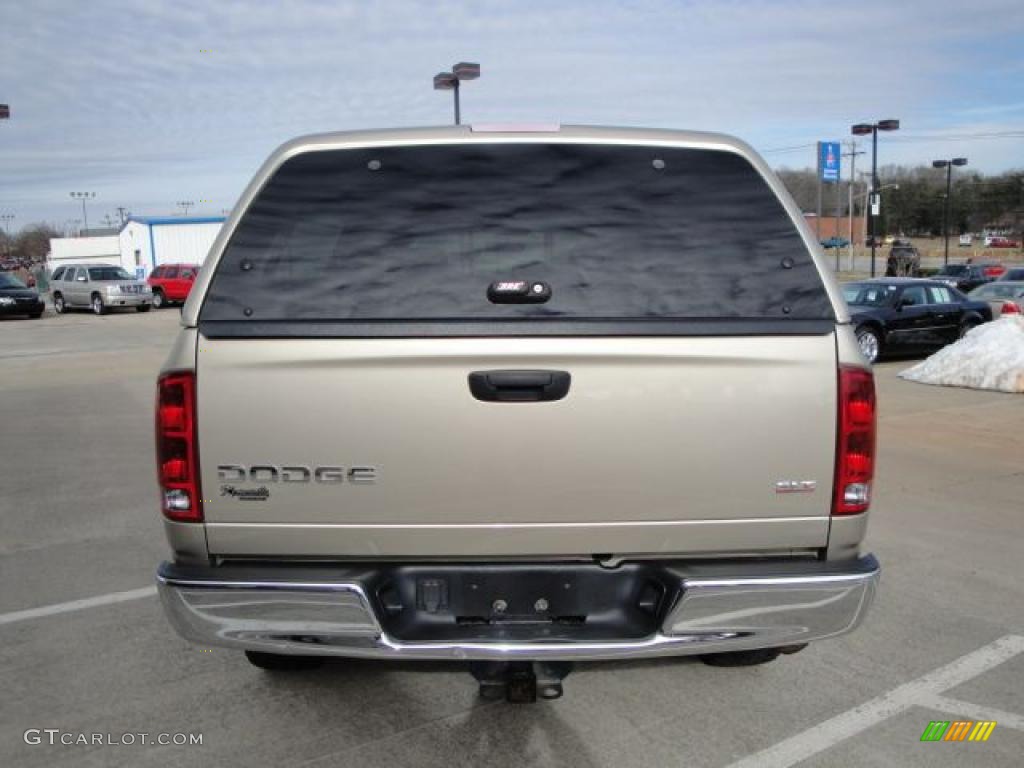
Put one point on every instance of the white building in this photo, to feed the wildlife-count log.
(143, 243)
(77, 250)
(147, 242)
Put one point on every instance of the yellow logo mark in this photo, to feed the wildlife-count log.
(982, 730)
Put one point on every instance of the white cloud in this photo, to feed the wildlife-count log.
(117, 95)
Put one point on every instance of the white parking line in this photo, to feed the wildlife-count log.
(968, 709)
(76, 605)
(915, 693)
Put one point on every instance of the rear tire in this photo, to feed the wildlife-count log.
(58, 304)
(36, 315)
(142, 308)
(159, 300)
(98, 307)
(741, 658)
(870, 344)
(275, 662)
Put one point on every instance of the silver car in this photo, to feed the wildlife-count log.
(99, 287)
(1006, 297)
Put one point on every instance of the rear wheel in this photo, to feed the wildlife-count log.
(159, 300)
(143, 308)
(869, 342)
(741, 658)
(58, 304)
(36, 315)
(98, 307)
(276, 662)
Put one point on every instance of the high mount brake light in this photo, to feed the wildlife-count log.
(855, 443)
(177, 453)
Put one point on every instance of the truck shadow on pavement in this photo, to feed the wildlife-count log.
(426, 712)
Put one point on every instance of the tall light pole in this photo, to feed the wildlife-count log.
(874, 200)
(449, 81)
(83, 196)
(852, 154)
(948, 165)
(185, 205)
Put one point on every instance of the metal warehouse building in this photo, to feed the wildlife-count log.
(147, 242)
(144, 242)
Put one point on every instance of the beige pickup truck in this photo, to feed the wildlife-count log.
(517, 397)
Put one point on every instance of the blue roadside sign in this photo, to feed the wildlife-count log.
(828, 160)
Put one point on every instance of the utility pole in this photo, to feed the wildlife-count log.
(852, 154)
(123, 214)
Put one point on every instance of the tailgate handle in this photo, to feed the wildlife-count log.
(519, 386)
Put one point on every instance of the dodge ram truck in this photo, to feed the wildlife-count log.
(517, 397)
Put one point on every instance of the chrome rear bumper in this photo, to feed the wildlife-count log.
(756, 606)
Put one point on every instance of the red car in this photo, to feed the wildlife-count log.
(1001, 242)
(171, 283)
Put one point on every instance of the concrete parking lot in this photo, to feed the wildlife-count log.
(79, 520)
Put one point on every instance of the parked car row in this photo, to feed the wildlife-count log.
(99, 288)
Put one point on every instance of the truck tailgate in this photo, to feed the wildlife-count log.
(662, 445)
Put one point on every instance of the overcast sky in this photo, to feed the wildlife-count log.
(150, 102)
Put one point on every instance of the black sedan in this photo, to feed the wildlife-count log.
(964, 277)
(909, 315)
(18, 299)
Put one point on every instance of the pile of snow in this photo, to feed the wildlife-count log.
(989, 357)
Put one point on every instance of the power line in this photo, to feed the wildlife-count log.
(918, 139)
(794, 148)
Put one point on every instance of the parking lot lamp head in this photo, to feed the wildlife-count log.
(83, 196)
(466, 70)
(445, 81)
(449, 81)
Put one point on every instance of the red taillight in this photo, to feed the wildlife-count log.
(855, 444)
(1010, 308)
(177, 455)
